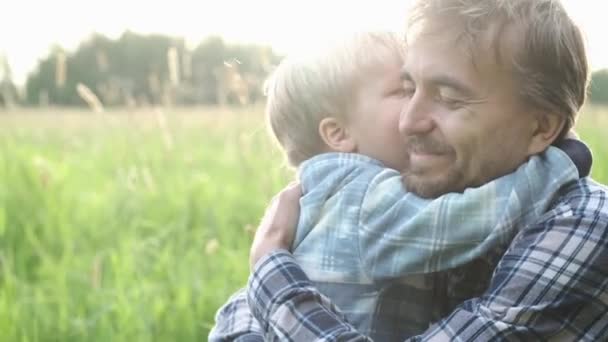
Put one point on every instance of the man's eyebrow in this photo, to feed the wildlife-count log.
(442, 81)
(450, 82)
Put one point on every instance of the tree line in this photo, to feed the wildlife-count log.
(137, 69)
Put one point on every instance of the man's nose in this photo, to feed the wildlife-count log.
(416, 117)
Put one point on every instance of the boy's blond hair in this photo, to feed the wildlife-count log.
(302, 91)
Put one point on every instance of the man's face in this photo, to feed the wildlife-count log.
(374, 119)
(463, 122)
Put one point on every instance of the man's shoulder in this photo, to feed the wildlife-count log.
(583, 198)
(580, 208)
(578, 214)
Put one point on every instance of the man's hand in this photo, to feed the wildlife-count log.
(278, 226)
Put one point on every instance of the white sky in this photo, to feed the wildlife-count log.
(29, 27)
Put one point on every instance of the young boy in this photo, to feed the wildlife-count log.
(336, 117)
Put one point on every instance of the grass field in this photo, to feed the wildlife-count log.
(135, 226)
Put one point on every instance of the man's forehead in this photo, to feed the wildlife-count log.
(494, 48)
(445, 53)
(430, 57)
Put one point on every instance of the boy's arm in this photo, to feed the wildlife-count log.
(401, 233)
(234, 322)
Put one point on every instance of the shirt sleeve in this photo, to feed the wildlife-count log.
(400, 233)
(552, 283)
(234, 322)
(290, 308)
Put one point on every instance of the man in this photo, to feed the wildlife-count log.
(489, 83)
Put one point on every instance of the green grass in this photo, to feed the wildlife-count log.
(107, 229)
(117, 228)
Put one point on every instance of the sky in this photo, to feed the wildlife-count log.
(28, 28)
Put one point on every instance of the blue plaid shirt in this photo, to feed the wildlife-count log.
(550, 284)
(369, 233)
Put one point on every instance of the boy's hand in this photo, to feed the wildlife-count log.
(278, 226)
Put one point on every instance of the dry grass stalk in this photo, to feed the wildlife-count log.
(212, 246)
(230, 81)
(173, 60)
(60, 69)
(161, 119)
(89, 97)
(97, 272)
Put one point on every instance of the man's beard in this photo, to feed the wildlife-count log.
(415, 180)
(449, 181)
(427, 144)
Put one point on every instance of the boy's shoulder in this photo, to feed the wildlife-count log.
(340, 159)
(338, 169)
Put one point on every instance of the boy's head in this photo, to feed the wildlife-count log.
(345, 98)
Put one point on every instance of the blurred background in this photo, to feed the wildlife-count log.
(135, 162)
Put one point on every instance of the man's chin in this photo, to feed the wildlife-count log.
(425, 190)
(432, 187)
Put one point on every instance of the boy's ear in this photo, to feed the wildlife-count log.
(336, 135)
(548, 128)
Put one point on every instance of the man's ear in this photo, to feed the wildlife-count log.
(548, 128)
(336, 135)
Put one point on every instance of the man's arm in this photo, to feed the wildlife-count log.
(234, 322)
(552, 283)
(282, 297)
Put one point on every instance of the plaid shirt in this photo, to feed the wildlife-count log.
(368, 232)
(551, 284)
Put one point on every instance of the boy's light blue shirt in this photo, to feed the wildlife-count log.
(360, 230)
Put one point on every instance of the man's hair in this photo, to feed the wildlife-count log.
(549, 62)
(303, 90)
